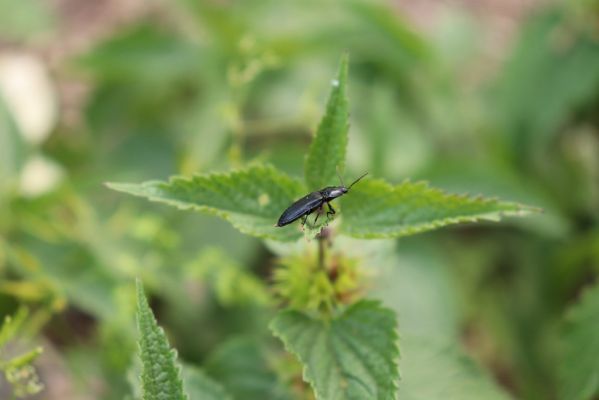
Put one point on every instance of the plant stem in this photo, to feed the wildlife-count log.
(322, 238)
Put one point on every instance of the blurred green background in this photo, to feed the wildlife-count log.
(489, 97)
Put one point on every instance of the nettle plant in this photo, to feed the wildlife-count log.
(348, 345)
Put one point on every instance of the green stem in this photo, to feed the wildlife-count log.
(322, 238)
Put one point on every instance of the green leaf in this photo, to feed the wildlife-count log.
(353, 356)
(201, 387)
(11, 325)
(432, 369)
(376, 209)
(251, 199)
(327, 151)
(241, 365)
(160, 378)
(579, 366)
(12, 150)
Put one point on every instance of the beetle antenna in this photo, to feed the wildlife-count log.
(339, 175)
(357, 180)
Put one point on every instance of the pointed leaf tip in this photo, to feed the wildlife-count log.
(328, 148)
(160, 377)
(377, 209)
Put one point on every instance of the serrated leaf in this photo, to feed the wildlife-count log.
(201, 387)
(327, 151)
(160, 379)
(240, 364)
(579, 366)
(353, 356)
(376, 209)
(251, 199)
(432, 369)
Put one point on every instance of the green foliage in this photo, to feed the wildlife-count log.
(231, 283)
(352, 356)
(194, 87)
(250, 199)
(241, 364)
(201, 387)
(533, 111)
(12, 151)
(579, 364)
(327, 151)
(18, 370)
(160, 377)
(433, 369)
(28, 20)
(375, 209)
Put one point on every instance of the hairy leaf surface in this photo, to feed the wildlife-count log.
(251, 199)
(353, 356)
(160, 379)
(327, 151)
(376, 209)
(579, 367)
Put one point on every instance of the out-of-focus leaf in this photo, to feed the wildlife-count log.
(58, 267)
(201, 387)
(431, 369)
(327, 151)
(11, 326)
(232, 284)
(160, 377)
(393, 30)
(12, 150)
(579, 365)
(251, 199)
(499, 179)
(18, 370)
(553, 71)
(415, 281)
(145, 53)
(353, 356)
(240, 364)
(26, 19)
(376, 209)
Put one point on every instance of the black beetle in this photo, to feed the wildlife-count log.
(314, 201)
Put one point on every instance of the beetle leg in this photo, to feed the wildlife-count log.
(331, 210)
(318, 212)
(304, 219)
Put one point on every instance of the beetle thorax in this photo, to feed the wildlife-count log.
(333, 192)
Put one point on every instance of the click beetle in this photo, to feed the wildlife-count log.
(314, 201)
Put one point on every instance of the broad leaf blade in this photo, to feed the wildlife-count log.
(160, 378)
(354, 356)
(327, 151)
(376, 209)
(579, 367)
(432, 369)
(251, 199)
